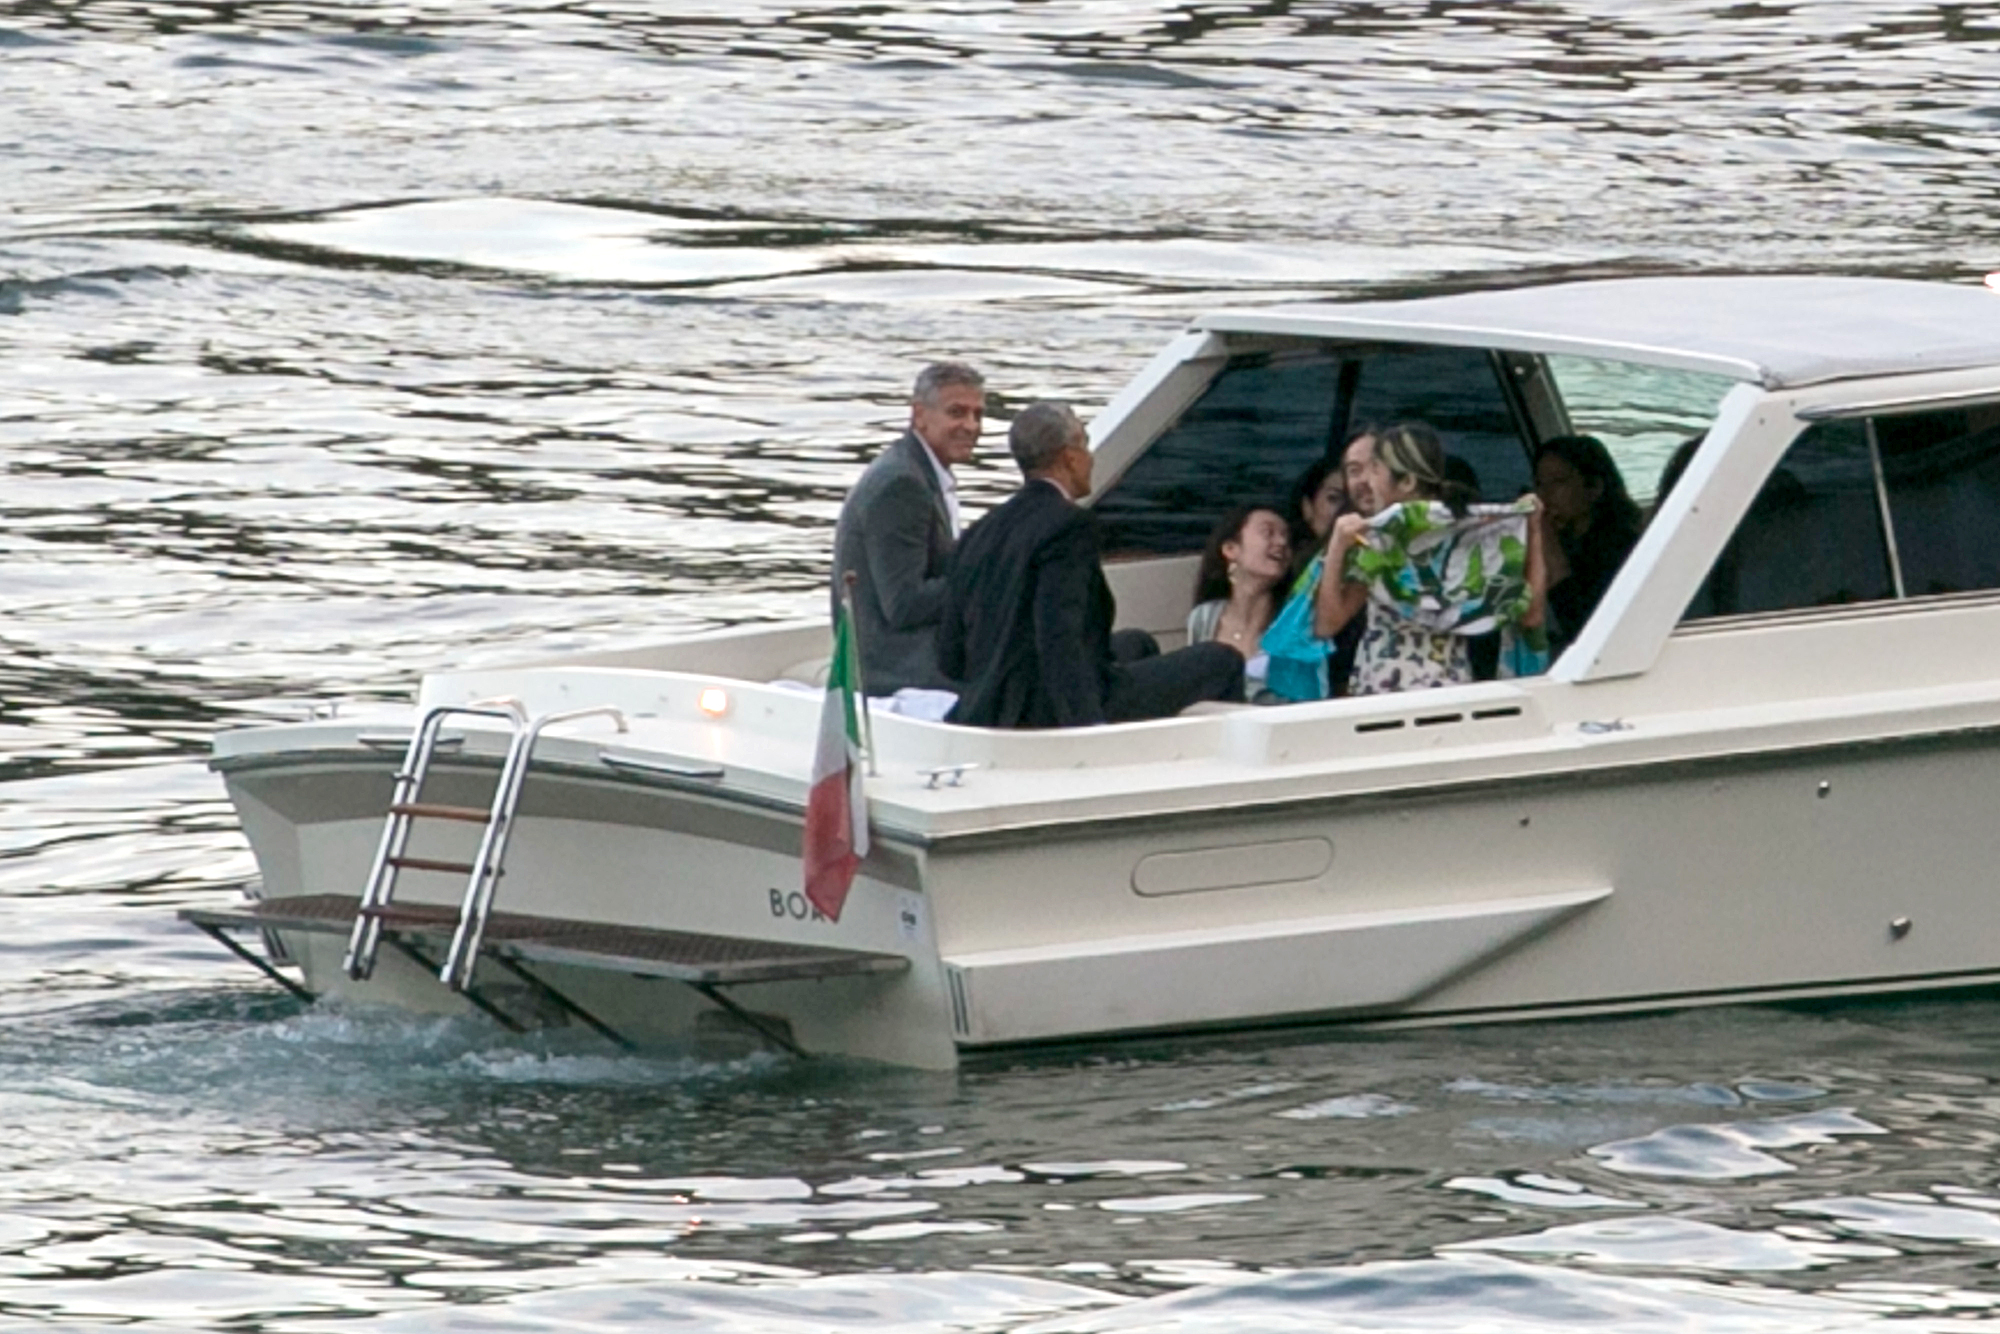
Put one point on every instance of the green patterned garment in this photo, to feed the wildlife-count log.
(1458, 576)
(1435, 581)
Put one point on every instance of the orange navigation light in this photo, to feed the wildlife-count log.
(713, 701)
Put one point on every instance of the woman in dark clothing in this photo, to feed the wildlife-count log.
(1594, 521)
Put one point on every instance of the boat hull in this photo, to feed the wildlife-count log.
(614, 852)
(1809, 870)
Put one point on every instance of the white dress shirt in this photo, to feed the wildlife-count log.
(944, 480)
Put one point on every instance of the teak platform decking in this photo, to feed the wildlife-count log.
(512, 940)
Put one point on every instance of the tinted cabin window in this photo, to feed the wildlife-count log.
(1268, 416)
(1643, 414)
(1456, 390)
(1812, 538)
(1943, 475)
(1262, 421)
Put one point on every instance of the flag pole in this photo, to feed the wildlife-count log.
(847, 581)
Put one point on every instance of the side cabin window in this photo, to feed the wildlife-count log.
(1813, 537)
(1868, 510)
(1270, 415)
(1942, 470)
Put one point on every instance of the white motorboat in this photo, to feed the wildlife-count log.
(1758, 772)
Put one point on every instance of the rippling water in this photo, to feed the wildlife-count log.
(341, 340)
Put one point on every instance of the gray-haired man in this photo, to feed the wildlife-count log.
(898, 528)
(1027, 617)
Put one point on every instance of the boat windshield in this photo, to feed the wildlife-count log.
(1643, 414)
(1272, 412)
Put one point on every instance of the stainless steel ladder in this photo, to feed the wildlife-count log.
(484, 870)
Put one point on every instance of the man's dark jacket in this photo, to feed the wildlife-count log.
(1027, 616)
(895, 535)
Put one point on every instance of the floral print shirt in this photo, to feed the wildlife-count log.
(1433, 582)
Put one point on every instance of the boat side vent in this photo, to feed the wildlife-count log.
(1437, 719)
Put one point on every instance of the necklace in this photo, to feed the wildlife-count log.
(1234, 634)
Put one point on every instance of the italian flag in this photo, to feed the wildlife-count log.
(837, 807)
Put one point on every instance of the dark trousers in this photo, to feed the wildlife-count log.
(1146, 683)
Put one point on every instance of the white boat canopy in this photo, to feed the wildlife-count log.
(1775, 330)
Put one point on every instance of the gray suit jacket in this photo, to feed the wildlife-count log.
(895, 534)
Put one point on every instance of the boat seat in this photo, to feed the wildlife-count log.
(812, 671)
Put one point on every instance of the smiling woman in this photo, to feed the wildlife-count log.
(1238, 587)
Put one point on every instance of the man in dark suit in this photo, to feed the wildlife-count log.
(899, 524)
(1027, 615)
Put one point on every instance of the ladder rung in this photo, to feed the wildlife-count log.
(431, 810)
(405, 913)
(431, 864)
(422, 746)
